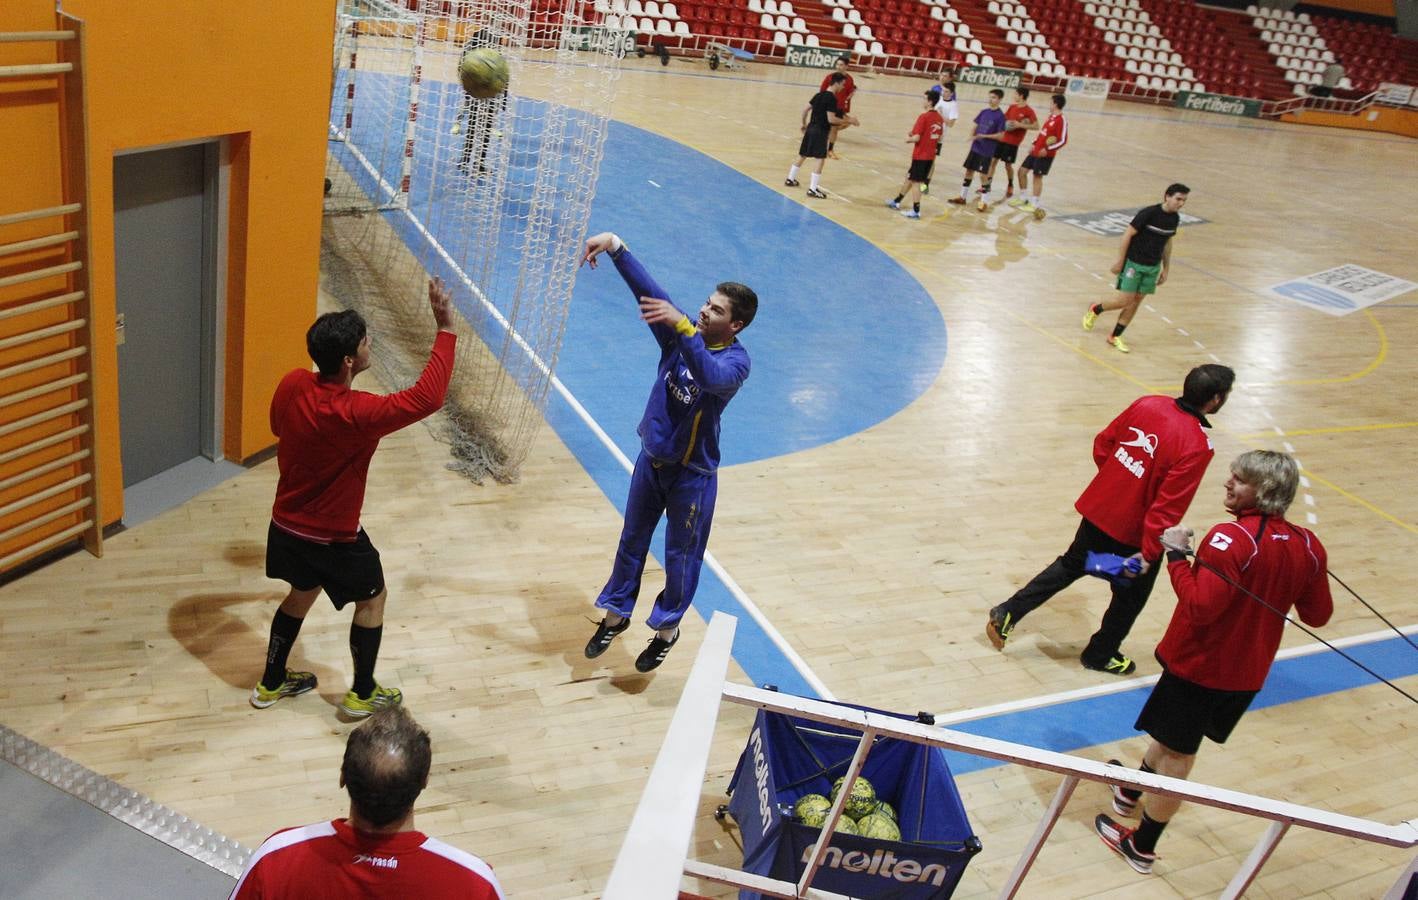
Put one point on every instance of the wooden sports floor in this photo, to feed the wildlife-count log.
(876, 556)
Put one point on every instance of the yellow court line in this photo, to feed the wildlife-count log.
(1377, 361)
(1362, 502)
(1341, 429)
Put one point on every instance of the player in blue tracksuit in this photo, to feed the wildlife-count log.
(702, 366)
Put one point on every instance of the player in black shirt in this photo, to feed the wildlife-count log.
(819, 116)
(1143, 260)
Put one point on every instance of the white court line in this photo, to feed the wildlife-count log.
(653, 183)
(945, 720)
(738, 593)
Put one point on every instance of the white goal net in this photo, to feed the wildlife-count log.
(494, 196)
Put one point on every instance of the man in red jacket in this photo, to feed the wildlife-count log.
(376, 852)
(1150, 462)
(1222, 638)
(328, 433)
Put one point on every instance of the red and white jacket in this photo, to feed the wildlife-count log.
(1150, 462)
(1053, 135)
(332, 861)
(1220, 637)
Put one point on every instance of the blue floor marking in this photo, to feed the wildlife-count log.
(838, 347)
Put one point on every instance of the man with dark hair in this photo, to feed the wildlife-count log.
(925, 140)
(1150, 461)
(989, 126)
(702, 366)
(1051, 139)
(376, 852)
(328, 433)
(820, 116)
(1222, 638)
(1144, 258)
(844, 100)
(949, 109)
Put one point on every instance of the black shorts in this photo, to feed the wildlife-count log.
(1179, 713)
(814, 145)
(977, 163)
(1039, 164)
(1007, 152)
(920, 169)
(348, 571)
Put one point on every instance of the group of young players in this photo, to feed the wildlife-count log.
(996, 137)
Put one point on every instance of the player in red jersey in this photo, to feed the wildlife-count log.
(844, 102)
(1018, 119)
(376, 852)
(328, 433)
(1052, 138)
(925, 140)
(1222, 638)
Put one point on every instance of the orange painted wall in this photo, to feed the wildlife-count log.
(171, 71)
(1376, 118)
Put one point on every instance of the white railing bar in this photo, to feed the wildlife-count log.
(45, 519)
(1404, 834)
(16, 37)
(839, 806)
(42, 361)
(38, 305)
(1258, 857)
(46, 468)
(1041, 834)
(53, 540)
(64, 210)
(41, 417)
(39, 334)
(49, 387)
(759, 883)
(37, 496)
(36, 274)
(38, 243)
(651, 860)
(47, 441)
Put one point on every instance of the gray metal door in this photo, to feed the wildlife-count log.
(162, 259)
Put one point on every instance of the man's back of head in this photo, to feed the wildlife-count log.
(385, 769)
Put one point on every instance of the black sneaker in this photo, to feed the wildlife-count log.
(655, 653)
(819, 193)
(790, 182)
(1123, 805)
(1116, 665)
(1119, 840)
(601, 640)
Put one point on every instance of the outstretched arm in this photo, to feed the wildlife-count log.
(640, 282)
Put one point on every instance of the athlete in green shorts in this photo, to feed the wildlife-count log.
(1144, 258)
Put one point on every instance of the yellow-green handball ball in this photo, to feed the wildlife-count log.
(483, 72)
(862, 799)
(811, 809)
(883, 807)
(878, 825)
(845, 826)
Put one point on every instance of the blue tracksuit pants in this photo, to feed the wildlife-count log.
(688, 496)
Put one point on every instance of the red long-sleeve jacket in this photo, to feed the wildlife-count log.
(1150, 462)
(328, 433)
(1220, 637)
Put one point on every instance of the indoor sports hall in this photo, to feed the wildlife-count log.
(918, 423)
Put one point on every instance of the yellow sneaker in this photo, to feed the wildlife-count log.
(1019, 202)
(1118, 345)
(1028, 207)
(295, 683)
(1090, 318)
(357, 708)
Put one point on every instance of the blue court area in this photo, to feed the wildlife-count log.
(844, 339)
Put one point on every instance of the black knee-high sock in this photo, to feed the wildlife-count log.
(1132, 793)
(1118, 329)
(284, 629)
(364, 649)
(898, 197)
(1147, 834)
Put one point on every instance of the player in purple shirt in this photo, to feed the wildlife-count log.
(989, 126)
